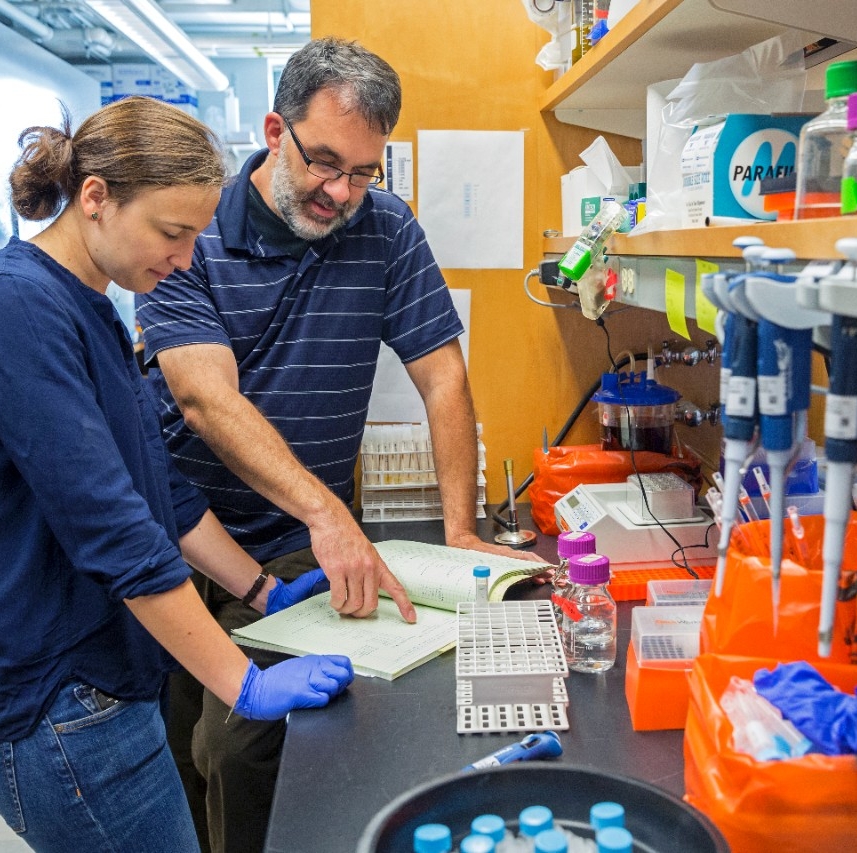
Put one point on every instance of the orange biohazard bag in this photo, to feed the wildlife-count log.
(740, 620)
(561, 469)
(801, 805)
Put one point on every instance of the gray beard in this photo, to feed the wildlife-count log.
(290, 202)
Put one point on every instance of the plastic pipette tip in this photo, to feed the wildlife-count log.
(719, 572)
(775, 601)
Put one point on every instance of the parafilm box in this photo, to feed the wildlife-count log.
(723, 165)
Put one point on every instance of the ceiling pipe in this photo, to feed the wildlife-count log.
(27, 22)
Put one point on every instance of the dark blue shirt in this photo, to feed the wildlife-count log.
(91, 507)
(305, 333)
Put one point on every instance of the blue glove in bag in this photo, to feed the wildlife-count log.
(284, 594)
(307, 682)
(825, 715)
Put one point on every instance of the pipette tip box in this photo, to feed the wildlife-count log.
(664, 643)
(675, 593)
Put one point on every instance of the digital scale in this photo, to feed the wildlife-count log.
(629, 538)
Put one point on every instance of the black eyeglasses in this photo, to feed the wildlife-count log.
(331, 173)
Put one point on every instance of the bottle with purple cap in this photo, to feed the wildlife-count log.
(589, 617)
(569, 544)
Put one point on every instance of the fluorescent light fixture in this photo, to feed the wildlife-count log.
(143, 23)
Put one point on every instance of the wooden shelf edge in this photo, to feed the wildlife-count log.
(639, 20)
(809, 239)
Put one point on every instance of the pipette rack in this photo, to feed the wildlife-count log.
(510, 668)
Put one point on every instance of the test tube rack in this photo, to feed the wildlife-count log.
(510, 668)
(399, 481)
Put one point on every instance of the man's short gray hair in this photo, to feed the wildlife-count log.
(363, 80)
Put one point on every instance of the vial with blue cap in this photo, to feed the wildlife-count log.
(531, 821)
(614, 839)
(605, 814)
(480, 574)
(494, 827)
(550, 841)
(432, 838)
(477, 844)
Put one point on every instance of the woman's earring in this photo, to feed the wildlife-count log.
(95, 215)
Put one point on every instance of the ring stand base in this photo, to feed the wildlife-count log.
(516, 539)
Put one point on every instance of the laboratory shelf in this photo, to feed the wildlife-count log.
(812, 239)
(660, 40)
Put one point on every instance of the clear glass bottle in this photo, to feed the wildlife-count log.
(480, 575)
(569, 544)
(849, 167)
(589, 245)
(589, 619)
(823, 146)
(432, 838)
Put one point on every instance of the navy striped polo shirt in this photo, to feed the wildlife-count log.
(305, 334)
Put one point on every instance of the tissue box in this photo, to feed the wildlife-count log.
(723, 165)
(582, 193)
(581, 199)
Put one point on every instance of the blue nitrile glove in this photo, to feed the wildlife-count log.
(284, 594)
(307, 682)
(825, 715)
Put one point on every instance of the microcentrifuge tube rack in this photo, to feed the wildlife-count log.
(510, 668)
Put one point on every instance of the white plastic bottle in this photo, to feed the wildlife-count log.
(590, 244)
(589, 620)
(569, 544)
(823, 146)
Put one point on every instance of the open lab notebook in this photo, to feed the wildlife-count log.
(384, 645)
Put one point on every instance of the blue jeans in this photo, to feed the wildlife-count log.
(92, 779)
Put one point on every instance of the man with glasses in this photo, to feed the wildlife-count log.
(266, 352)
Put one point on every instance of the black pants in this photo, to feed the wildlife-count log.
(228, 771)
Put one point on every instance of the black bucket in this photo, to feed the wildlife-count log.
(658, 821)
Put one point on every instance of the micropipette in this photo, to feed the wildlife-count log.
(785, 353)
(838, 294)
(739, 424)
(540, 745)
